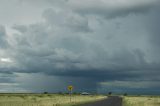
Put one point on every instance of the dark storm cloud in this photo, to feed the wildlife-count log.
(111, 9)
(2, 80)
(70, 58)
(154, 26)
(3, 41)
(7, 78)
(98, 75)
(74, 44)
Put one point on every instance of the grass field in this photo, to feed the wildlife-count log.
(142, 101)
(45, 99)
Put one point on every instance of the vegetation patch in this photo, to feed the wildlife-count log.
(141, 101)
(46, 100)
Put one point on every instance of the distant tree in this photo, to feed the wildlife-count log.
(45, 92)
(76, 93)
(60, 93)
(109, 93)
(66, 93)
(125, 94)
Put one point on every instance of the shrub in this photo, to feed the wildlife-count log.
(45, 92)
(125, 94)
(109, 93)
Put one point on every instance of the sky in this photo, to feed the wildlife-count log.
(94, 45)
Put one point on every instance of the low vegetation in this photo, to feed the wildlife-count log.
(141, 101)
(45, 99)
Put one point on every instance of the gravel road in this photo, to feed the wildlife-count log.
(110, 101)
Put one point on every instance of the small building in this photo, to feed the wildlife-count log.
(85, 93)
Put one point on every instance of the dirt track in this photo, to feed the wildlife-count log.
(110, 101)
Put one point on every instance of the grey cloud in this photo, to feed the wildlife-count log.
(3, 36)
(51, 2)
(129, 84)
(7, 78)
(140, 87)
(41, 83)
(2, 80)
(67, 19)
(75, 45)
(49, 48)
(154, 24)
(20, 28)
(110, 9)
(68, 57)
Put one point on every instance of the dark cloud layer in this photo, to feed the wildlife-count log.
(75, 44)
(111, 9)
(3, 41)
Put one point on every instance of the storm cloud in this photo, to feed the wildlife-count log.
(93, 45)
(110, 8)
(3, 35)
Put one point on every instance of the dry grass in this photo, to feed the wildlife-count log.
(45, 100)
(141, 101)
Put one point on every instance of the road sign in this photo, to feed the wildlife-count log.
(70, 87)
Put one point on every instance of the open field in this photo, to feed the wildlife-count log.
(141, 101)
(45, 99)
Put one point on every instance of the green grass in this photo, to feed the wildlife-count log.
(45, 99)
(141, 101)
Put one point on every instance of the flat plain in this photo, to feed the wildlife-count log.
(46, 99)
